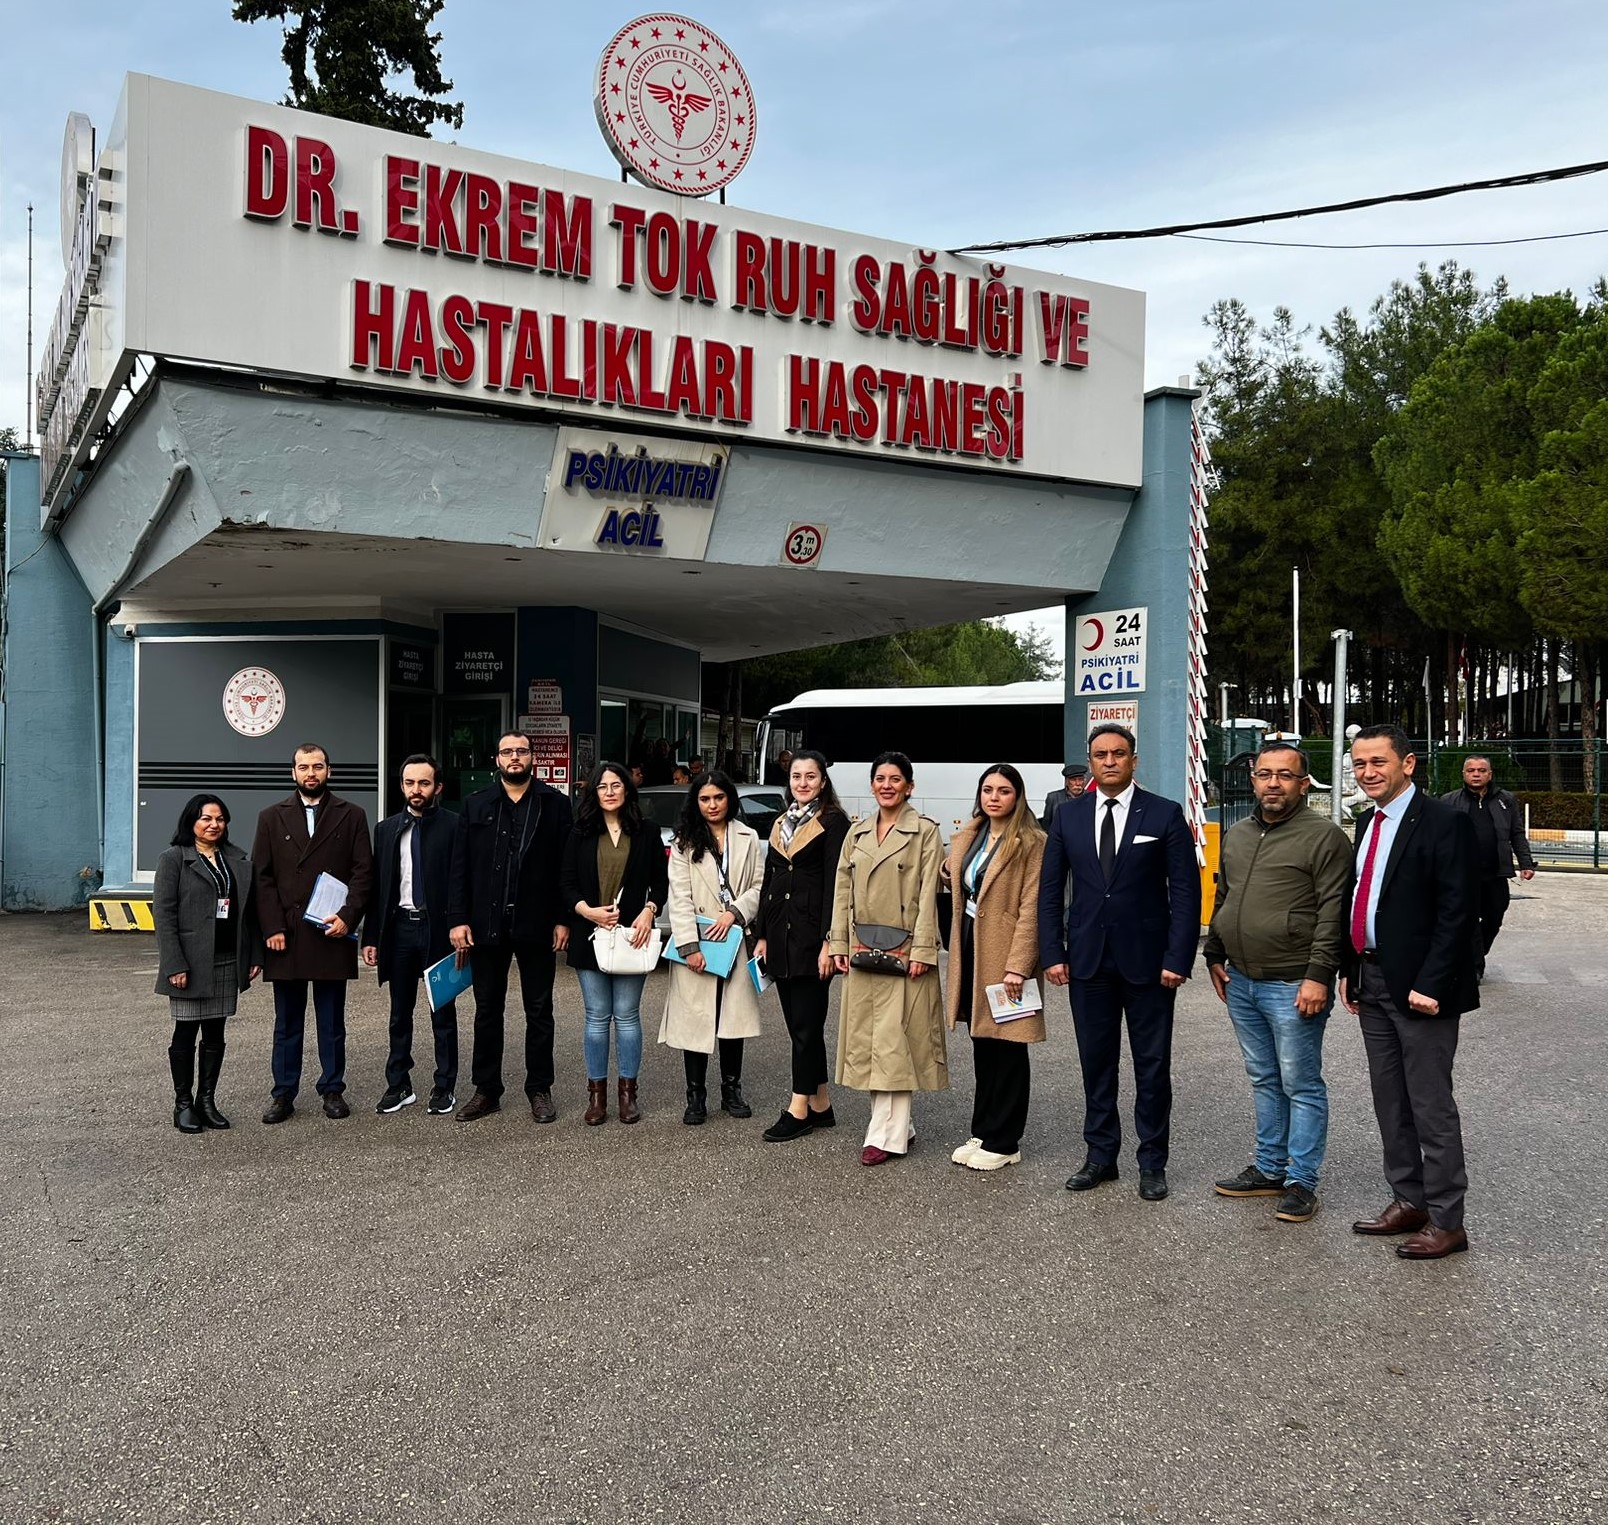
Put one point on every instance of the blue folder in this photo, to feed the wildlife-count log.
(445, 981)
(720, 958)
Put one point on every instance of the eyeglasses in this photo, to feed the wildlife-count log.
(1283, 775)
(513, 751)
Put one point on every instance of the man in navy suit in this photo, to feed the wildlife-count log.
(1126, 946)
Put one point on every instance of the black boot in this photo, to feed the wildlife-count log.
(206, 1091)
(181, 1060)
(731, 1097)
(697, 1107)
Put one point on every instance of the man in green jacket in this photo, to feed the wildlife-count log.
(1273, 951)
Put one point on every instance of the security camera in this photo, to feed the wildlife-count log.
(130, 630)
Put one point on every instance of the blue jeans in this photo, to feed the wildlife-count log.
(1284, 1058)
(615, 998)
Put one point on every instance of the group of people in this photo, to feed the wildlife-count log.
(1099, 893)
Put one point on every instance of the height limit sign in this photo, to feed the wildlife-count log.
(1110, 653)
(803, 545)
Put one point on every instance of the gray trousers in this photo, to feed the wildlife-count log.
(1410, 1065)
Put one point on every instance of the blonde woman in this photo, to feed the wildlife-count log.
(885, 943)
(993, 869)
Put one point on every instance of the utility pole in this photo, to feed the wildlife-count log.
(1295, 677)
(1338, 722)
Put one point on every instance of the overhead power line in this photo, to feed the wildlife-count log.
(1503, 182)
(1444, 243)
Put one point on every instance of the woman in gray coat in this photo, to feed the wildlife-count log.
(209, 948)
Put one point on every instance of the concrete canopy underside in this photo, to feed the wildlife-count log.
(222, 500)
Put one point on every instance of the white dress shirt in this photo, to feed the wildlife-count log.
(405, 885)
(1392, 814)
(1119, 816)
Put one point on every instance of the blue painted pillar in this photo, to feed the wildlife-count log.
(1150, 569)
(49, 803)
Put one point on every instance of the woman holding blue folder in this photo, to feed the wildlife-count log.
(716, 867)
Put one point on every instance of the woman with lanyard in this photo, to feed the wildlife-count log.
(885, 939)
(715, 871)
(993, 866)
(208, 947)
(795, 930)
(612, 875)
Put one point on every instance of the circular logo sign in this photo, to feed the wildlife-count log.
(804, 544)
(674, 105)
(254, 701)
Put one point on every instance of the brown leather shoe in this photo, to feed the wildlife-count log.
(479, 1105)
(1399, 1218)
(597, 1103)
(542, 1108)
(1433, 1243)
(629, 1112)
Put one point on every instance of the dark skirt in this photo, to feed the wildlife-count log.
(225, 978)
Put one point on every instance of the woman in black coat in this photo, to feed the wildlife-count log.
(794, 926)
(614, 874)
(209, 948)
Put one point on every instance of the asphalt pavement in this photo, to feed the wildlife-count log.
(400, 1318)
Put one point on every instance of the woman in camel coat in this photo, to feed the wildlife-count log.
(993, 868)
(890, 1027)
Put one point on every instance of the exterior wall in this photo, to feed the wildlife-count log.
(1150, 567)
(49, 799)
(117, 864)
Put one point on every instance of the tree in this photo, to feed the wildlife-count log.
(345, 55)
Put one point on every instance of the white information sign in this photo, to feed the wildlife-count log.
(1110, 653)
(1123, 712)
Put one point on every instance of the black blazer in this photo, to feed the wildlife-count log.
(440, 829)
(647, 877)
(795, 897)
(1427, 922)
(473, 900)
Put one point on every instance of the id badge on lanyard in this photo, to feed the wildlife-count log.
(222, 913)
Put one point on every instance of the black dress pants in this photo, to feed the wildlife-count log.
(410, 957)
(538, 963)
(1099, 1006)
(1002, 1070)
(1495, 896)
(804, 1002)
(696, 1064)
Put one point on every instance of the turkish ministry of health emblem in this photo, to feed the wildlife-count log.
(674, 105)
(254, 701)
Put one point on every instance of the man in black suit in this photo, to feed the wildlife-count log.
(1408, 972)
(1126, 948)
(406, 929)
(505, 905)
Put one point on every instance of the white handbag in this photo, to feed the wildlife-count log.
(612, 948)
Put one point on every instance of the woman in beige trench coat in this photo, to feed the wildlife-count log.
(890, 1027)
(993, 869)
(716, 868)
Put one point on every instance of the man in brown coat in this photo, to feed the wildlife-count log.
(313, 832)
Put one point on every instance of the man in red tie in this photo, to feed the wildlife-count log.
(1408, 972)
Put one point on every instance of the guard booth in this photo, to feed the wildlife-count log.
(388, 444)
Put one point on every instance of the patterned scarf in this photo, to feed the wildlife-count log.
(794, 817)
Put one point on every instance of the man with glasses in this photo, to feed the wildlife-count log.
(504, 906)
(1273, 952)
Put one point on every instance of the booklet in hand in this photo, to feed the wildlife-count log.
(1003, 1009)
(720, 958)
(329, 895)
(444, 981)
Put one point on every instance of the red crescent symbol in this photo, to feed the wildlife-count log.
(1099, 633)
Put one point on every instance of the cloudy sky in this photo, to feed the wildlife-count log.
(946, 124)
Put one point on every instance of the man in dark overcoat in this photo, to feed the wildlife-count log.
(312, 832)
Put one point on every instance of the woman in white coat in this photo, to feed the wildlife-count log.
(716, 868)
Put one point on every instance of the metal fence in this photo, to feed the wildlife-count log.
(1559, 786)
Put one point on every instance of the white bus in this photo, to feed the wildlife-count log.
(949, 734)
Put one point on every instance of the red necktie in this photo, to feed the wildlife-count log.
(1359, 906)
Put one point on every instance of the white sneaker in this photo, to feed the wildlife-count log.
(986, 1159)
(963, 1155)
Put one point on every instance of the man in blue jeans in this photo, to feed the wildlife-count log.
(1273, 952)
